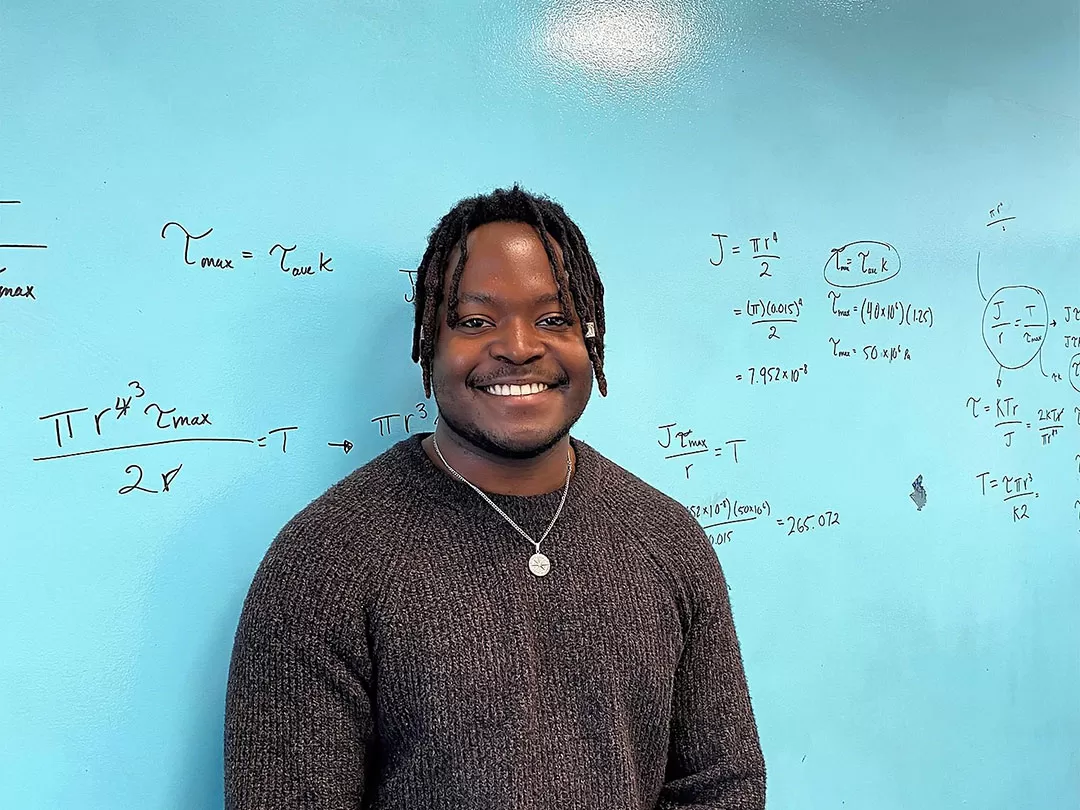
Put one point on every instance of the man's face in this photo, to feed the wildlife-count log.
(511, 332)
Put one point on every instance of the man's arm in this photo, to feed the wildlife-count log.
(714, 753)
(298, 716)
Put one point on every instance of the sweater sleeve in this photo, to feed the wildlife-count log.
(298, 715)
(714, 753)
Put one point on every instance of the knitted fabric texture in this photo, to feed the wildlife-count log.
(395, 653)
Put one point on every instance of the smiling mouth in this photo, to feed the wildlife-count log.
(516, 391)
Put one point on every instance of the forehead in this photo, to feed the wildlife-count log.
(505, 254)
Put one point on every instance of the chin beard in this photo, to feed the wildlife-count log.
(491, 445)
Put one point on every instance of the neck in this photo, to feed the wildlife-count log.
(504, 476)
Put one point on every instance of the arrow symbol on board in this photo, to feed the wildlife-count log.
(344, 445)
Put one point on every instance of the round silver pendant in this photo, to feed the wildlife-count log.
(539, 564)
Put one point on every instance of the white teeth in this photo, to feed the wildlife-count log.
(516, 390)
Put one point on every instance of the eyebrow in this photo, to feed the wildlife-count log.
(490, 300)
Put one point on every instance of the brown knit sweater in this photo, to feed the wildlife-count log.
(395, 653)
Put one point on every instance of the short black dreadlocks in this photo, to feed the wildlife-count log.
(579, 274)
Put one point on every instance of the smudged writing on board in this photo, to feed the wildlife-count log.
(918, 493)
(208, 262)
(683, 444)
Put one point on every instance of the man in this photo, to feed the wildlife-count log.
(494, 615)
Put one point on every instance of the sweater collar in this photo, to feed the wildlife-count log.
(443, 487)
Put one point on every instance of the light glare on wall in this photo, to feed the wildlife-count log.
(618, 39)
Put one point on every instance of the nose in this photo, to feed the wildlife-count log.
(518, 341)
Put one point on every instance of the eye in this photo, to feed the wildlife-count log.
(555, 320)
(471, 323)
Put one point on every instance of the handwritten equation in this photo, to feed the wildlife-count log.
(859, 264)
(1072, 316)
(762, 250)
(720, 518)
(164, 423)
(1016, 324)
(23, 292)
(1009, 488)
(856, 264)
(386, 424)
(410, 296)
(771, 312)
(1009, 417)
(1011, 420)
(683, 444)
(994, 216)
(765, 375)
(194, 257)
(868, 311)
(871, 351)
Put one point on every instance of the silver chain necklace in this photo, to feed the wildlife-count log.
(539, 564)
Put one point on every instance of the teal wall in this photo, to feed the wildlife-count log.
(899, 657)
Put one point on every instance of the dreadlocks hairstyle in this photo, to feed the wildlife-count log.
(578, 274)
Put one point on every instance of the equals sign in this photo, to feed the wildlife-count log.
(737, 311)
(738, 376)
(736, 249)
(247, 254)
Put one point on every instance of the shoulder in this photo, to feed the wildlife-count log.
(338, 542)
(374, 494)
(661, 528)
(627, 497)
